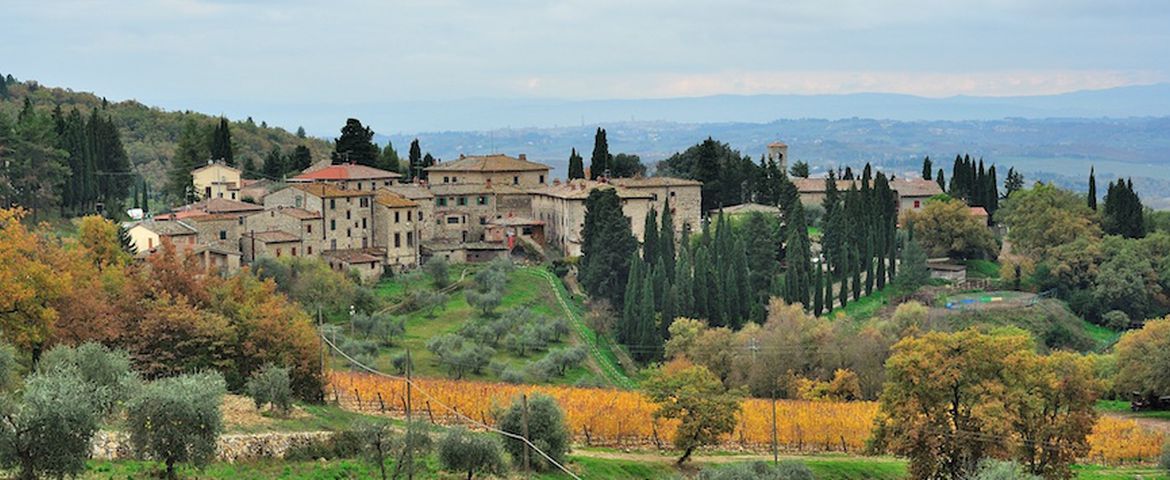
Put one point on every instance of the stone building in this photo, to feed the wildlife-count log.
(496, 168)
(684, 196)
(148, 235)
(778, 153)
(348, 176)
(347, 215)
(397, 223)
(911, 193)
(302, 223)
(561, 207)
(462, 211)
(216, 180)
(222, 257)
(270, 243)
(426, 207)
(365, 261)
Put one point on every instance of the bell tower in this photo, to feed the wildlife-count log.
(778, 152)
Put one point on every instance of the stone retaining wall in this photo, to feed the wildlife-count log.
(231, 448)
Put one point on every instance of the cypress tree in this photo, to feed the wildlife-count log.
(684, 283)
(941, 179)
(659, 283)
(415, 157)
(145, 197)
(221, 143)
(1092, 188)
(856, 254)
(576, 165)
(301, 158)
(599, 162)
(632, 309)
(869, 256)
(649, 341)
(607, 247)
(827, 278)
(743, 290)
(818, 291)
(274, 164)
(665, 242)
(927, 168)
(650, 237)
(798, 276)
(992, 194)
(388, 160)
(843, 289)
(701, 284)
(880, 259)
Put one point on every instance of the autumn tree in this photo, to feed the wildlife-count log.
(1143, 360)
(947, 228)
(694, 396)
(1044, 217)
(29, 283)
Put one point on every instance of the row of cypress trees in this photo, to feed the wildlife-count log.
(859, 236)
(1122, 213)
(99, 169)
(973, 184)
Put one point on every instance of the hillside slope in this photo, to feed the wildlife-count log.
(150, 134)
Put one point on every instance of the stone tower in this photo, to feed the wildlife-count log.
(778, 152)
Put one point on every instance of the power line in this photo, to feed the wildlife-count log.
(457, 412)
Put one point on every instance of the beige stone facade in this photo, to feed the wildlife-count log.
(685, 198)
(462, 211)
(149, 235)
(216, 180)
(497, 169)
(271, 243)
(348, 177)
(426, 207)
(396, 230)
(297, 221)
(561, 207)
(347, 216)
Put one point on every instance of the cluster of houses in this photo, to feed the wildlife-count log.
(362, 219)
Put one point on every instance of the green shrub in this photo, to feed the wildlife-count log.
(271, 385)
(1165, 460)
(109, 380)
(1002, 470)
(49, 431)
(463, 451)
(546, 430)
(786, 470)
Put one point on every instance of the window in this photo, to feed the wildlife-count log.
(420, 215)
(655, 197)
(542, 179)
(363, 223)
(223, 234)
(396, 219)
(333, 204)
(672, 194)
(452, 220)
(482, 200)
(515, 180)
(299, 201)
(462, 201)
(917, 204)
(454, 179)
(309, 228)
(347, 215)
(309, 250)
(349, 232)
(294, 251)
(397, 240)
(364, 202)
(410, 213)
(333, 244)
(483, 220)
(442, 201)
(446, 179)
(333, 224)
(359, 185)
(278, 252)
(233, 195)
(410, 239)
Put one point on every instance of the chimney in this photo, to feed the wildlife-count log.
(523, 157)
(556, 182)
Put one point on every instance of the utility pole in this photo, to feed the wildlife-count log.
(775, 450)
(321, 332)
(524, 419)
(409, 424)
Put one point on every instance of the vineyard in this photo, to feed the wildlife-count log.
(619, 418)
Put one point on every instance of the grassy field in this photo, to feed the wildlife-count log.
(982, 269)
(867, 306)
(524, 289)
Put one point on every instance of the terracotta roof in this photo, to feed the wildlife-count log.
(978, 211)
(214, 205)
(393, 200)
(514, 221)
(915, 187)
(213, 217)
(325, 190)
(579, 190)
(273, 236)
(351, 256)
(215, 164)
(411, 190)
(747, 208)
(167, 228)
(441, 189)
(221, 247)
(346, 171)
(488, 163)
(648, 182)
(817, 185)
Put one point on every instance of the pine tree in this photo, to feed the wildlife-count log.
(274, 167)
(927, 168)
(1092, 189)
(248, 167)
(189, 154)
(576, 165)
(1013, 183)
(607, 246)
(125, 241)
(355, 145)
(599, 163)
(389, 159)
(300, 132)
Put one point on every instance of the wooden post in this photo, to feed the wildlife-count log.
(409, 423)
(524, 419)
(381, 403)
(775, 450)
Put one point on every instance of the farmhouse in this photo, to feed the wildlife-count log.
(496, 168)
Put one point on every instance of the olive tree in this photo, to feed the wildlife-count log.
(48, 430)
(546, 430)
(463, 451)
(271, 385)
(440, 274)
(106, 374)
(176, 420)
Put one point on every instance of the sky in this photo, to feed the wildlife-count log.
(236, 57)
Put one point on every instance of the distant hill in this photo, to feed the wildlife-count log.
(150, 134)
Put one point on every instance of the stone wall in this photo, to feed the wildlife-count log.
(231, 448)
